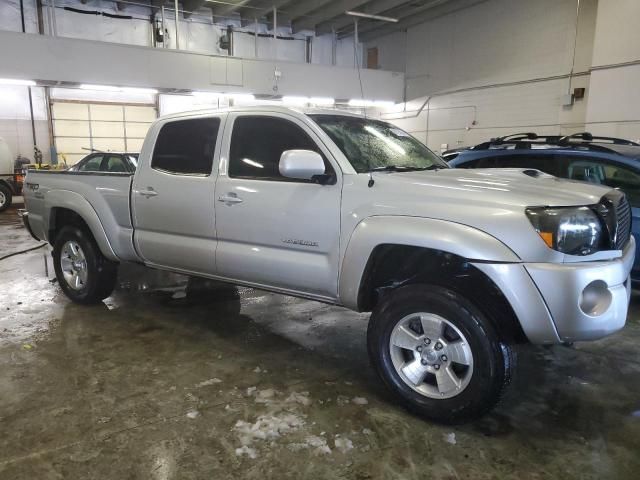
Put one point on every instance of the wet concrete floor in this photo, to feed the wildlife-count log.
(170, 379)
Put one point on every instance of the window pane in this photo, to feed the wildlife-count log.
(115, 163)
(258, 142)
(186, 146)
(544, 163)
(92, 165)
(614, 176)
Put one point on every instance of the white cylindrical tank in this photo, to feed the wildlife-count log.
(6, 158)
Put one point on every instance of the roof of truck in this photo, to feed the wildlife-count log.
(261, 108)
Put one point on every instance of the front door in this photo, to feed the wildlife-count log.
(274, 231)
(173, 196)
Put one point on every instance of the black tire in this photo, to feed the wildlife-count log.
(8, 197)
(101, 272)
(493, 360)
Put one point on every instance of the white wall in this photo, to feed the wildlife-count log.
(197, 33)
(504, 60)
(614, 103)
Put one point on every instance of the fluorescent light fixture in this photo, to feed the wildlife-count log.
(100, 88)
(241, 97)
(371, 17)
(17, 82)
(383, 103)
(322, 101)
(134, 90)
(356, 102)
(207, 95)
(289, 100)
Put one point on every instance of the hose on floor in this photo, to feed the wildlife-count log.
(22, 251)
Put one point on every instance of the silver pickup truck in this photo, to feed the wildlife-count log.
(456, 266)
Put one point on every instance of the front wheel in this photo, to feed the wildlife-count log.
(84, 274)
(438, 353)
(5, 197)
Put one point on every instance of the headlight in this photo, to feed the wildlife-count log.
(570, 230)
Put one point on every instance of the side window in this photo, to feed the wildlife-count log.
(258, 142)
(469, 164)
(544, 163)
(91, 165)
(186, 147)
(114, 163)
(621, 177)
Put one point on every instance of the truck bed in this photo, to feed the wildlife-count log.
(103, 196)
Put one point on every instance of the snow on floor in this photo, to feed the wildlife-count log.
(343, 444)
(299, 397)
(318, 445)
(206, 383)
(283, 419)
(267, 427)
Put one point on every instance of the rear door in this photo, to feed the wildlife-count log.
(173, 195)
(275, 231)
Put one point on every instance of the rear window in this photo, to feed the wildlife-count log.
(186, 147)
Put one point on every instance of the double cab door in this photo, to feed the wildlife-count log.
(172, 196)
(273, 230)
(212, 202)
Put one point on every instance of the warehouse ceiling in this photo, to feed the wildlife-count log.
(324, 16)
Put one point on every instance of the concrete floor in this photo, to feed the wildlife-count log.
(216, 382)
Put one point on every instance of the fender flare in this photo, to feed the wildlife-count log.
(78, 204)
(450, 237)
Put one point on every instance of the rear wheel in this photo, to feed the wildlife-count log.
(84, 274)
(438, 353)
(6, 197)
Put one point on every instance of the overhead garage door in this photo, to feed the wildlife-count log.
(79, 127)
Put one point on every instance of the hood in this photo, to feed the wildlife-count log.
(504, 187)
(490, 200)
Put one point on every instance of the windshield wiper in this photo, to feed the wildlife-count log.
(399, 168)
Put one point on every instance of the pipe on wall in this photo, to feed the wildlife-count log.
(177, 25)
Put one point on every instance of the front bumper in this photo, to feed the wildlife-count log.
(566, 302)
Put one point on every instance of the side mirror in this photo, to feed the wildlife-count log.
(301, 164)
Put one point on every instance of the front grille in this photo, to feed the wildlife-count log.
(623, 214)
(615, 211)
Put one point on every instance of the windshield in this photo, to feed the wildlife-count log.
(375, 145)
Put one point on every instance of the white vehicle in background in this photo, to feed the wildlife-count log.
(455, 265)
(10, 181)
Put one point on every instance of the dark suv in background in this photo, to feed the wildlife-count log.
(602, 160)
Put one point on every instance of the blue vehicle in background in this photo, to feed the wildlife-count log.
(603, 160)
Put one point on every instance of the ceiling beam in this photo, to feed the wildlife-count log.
(322, 14)
(190, 6)
(341, 21)
(417, 18)
(228, 8)
(301, 8)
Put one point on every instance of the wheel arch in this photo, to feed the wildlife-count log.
(404, 252)
(73, 209)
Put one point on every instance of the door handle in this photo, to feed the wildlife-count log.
(230, 199)
(150, 192)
